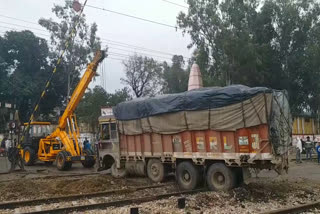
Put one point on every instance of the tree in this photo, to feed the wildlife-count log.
(175, 78)
(24, 71)
(89, 107)
(258, 43)
(143, 75)
(81, 49)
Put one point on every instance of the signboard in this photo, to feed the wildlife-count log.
(106, 111)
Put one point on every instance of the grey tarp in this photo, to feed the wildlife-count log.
(218, 109)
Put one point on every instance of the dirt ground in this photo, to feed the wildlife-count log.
(300, 185)
(42, 181)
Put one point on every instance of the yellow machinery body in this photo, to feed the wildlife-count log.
(63, 143)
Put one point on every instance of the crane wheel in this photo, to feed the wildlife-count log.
(90, 161)
(62, 163)
(29, 156)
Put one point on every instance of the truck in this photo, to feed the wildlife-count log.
(62, 144)
(209, 135)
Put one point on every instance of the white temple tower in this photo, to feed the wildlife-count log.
(195, 78)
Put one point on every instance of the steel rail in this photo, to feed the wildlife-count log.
(116, 203)
(17, 204)
(294, 209)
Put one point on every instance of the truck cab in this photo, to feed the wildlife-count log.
(108, 146)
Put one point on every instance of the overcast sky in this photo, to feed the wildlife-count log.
(112, 27)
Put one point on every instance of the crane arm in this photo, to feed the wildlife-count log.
(81, 88)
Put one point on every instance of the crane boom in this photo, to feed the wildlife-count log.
(81, 88)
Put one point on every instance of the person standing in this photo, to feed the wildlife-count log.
(299, 150)
(86, 144)
(308, 146)
(318, 151)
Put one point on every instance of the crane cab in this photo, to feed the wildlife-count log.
(30, 146)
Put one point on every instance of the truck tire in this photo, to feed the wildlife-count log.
(156, 171)
(220, 177)
(187, 175)
(62, 163)
(29, 156)
(118, 173)
(89, 162)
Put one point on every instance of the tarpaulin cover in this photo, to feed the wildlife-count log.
(201, 99)
(221, 109)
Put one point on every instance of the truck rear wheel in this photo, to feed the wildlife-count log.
(118, 173)
(220, 178)
(61, 159)
(90, 161)
(29, 156)
(187, 175)
(156, 171)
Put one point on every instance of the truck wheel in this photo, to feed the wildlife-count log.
(187, 175)
(89, 162)
(220, 178)
(29, 156)
(156, 170)
(118, 173)
(61, 159)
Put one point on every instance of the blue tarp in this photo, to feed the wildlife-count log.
(200, 99)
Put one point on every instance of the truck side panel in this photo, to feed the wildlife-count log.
(203, 144)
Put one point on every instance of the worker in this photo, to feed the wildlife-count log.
(299, 150)
(318, 151)
(308, 146)
(3, 147)
(86, 144)
(8, 144)
(3, 143)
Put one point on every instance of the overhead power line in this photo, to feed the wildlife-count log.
(180, 5)
(21, 20)
(45, 35)
(8, 23)
(109, 40)
(134, 17)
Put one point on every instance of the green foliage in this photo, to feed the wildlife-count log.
(24, 71)
(143, 75)
(81, 49)
(259, 43)
(175, 78)
(89, 107)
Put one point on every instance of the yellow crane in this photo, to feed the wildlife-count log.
(63, 144)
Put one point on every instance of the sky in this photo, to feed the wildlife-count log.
(119, 32)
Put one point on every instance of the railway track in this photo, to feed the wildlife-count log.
(34, 202)
(295, 209)
(116, 203)
(91, 201)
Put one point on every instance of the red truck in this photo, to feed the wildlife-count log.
(209, 134)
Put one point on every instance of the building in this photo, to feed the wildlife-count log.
(7, 111)
(306, 125)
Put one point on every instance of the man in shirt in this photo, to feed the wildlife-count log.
(308, 146)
